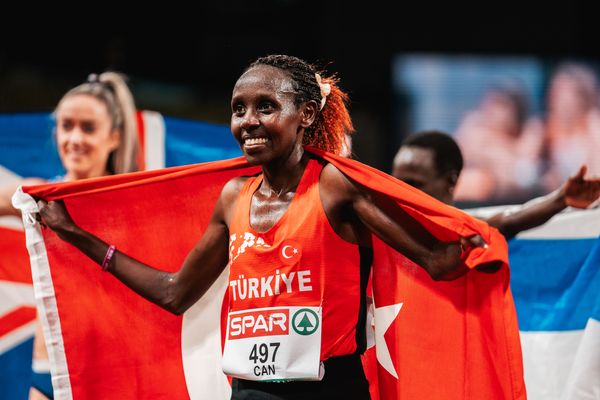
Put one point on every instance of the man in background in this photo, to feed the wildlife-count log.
(431, 161)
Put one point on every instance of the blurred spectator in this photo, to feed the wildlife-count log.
(572, 123)
(96, 135)
(502, 146)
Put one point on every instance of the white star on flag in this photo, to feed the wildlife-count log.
(384, 316)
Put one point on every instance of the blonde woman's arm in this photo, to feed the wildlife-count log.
(8, 189)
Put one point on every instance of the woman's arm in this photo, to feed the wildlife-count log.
(175, 292)
(344, 199)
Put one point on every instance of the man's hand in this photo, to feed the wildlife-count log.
(581, 192)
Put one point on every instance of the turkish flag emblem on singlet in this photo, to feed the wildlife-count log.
(291, 252)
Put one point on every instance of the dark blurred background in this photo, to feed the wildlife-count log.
(183, 62)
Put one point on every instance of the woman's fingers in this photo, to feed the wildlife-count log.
(472, 241)
(41, 204)
(38, 215)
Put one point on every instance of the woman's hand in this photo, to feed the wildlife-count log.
(468, 243)
(448, 259)
(55, 216)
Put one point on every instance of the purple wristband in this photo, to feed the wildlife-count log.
(109, 254)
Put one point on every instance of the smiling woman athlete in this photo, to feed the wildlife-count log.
(296, 237)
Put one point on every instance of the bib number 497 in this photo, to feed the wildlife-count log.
(263, 353)
(260, 352)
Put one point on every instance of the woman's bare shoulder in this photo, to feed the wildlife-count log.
(335, 185)
(232, 188)
(331, 175)
(229, 196)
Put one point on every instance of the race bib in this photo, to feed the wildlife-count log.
(274, 344)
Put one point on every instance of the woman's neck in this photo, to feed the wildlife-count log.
(73, 176)
(283, 177)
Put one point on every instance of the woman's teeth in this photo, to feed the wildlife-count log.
(253, 141)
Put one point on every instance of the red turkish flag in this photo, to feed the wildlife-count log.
(444, 340)
(436, 340)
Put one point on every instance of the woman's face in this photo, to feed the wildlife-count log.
(264, 119)
(500, 111)
(566, 99)
(85, 136)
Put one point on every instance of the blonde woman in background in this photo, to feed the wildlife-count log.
(96, 135)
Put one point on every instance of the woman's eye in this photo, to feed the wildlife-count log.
(265, 106)
(67, 125)
(88, 127)
(238, 109)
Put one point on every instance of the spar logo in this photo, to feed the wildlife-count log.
(305, 322)
(290, 252)
(265, 322)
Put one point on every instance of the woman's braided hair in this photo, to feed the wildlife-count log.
(333, 124)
